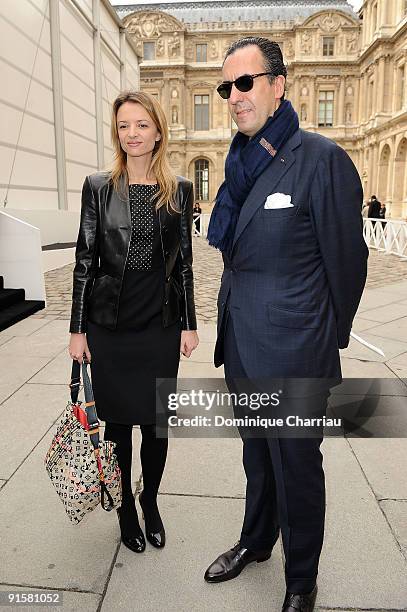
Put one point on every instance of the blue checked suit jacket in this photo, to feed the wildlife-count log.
(296, 275)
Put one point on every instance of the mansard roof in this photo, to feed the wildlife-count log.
(239, 10)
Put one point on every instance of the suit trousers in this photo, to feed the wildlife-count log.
(285, 488)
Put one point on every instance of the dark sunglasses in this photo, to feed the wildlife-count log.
(243, 83)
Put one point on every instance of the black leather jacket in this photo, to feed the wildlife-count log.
(102, 250)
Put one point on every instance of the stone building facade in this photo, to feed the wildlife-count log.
(346, 79)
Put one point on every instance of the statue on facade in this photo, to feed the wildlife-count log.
(306, 43)
(174, 45)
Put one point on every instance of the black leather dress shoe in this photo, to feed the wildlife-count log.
(155, 532)
(134, 540)
(231, 563)
(300, 602)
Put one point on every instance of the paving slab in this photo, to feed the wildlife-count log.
(375, 298)
(25, 327)
(361, 564)
(40, 344)
(391, 348)
(193, 369)
(357, 368)
(198, 530)
(2, 483)
(384, 464)
(396, 330)
(71, 601)
(206, 331)
(399, 287)
(41, 545)
(360, 324)
(199, 466)
(56, 372)
(396, 514)
(386, 314)
(16, 370)
(35, 408)
(202, 354)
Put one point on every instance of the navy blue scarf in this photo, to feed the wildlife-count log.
(246, 160)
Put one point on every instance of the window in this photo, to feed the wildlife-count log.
(149, 50)
(202, 179)
(201, 105)
(328, 46)
(400, 86)
(201, 52)
(326, 108)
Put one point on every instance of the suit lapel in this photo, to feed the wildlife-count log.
(266, 183)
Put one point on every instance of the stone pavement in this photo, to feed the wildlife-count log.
(383, 269)
(364, 560)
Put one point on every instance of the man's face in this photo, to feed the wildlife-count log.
(251, 109)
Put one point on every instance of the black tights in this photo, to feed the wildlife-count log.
(153, 454)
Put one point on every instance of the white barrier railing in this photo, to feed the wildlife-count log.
(21, 257)
(200, 224)
(389, 236)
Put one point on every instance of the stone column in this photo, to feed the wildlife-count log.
(312, 101)
(340, 118)
(380, 85)
(296, 93)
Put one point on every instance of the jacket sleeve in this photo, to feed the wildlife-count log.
(86, 259)
(185, 262)
(336, 199)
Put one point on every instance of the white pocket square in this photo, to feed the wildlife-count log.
(278, 200)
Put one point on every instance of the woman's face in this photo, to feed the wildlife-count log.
(136, 130)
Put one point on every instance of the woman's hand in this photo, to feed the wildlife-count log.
(189, 342)
(78, 345)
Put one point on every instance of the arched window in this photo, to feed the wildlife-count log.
(202, 179)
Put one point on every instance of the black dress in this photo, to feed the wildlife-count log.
(126, 361)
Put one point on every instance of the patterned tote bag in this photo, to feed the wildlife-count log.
(82, 468)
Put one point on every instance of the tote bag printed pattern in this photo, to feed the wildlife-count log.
(82, 474)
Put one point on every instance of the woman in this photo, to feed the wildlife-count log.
(133, 304)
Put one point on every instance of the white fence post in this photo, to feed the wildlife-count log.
(389, 236)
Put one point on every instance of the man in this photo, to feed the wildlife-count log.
(374, 208)
(287, 220)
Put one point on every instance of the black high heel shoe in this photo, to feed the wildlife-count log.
(131, 537)
(155, 533)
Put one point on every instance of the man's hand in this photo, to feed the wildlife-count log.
(189, 342)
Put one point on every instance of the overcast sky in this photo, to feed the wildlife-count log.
(355, 3)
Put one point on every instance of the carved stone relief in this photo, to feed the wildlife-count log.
(351, 43)
(151, 25)
(289, 49)
(306, 43)
(160, 47)
(330, 22)
(213, 50)
(174, 45)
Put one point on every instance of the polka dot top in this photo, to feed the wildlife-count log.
(142, 295)
(144, 227)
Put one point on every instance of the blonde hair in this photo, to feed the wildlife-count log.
(167, 182)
